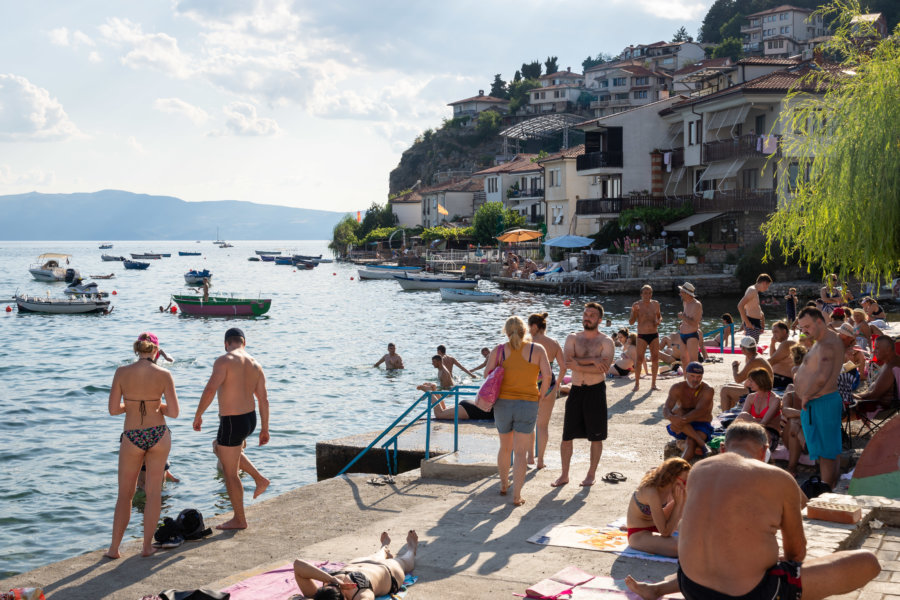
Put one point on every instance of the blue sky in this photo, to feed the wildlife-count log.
(305, 104)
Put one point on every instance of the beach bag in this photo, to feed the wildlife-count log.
(490, 389)
(190, 522)
(814, 486)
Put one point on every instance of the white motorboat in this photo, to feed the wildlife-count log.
(89, 289)
(49, 267)
(418, 282)
(195, 277)
(396, 268)
(459, 295)
(61, 306)
(145, 256)
(110, 258)
(385, 271)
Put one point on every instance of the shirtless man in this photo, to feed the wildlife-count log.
(444, 377)
(648, 317)
(237, 378)
(690, 323)
(883, 390)
(206, 289)
(391, 360)
(815, 385)
(724, 553)
(588, 355)
(485, 354)
(780, 355)
(689, 411)
(731, 393)
(451, 362)
(751, 312)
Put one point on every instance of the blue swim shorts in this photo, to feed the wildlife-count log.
(515, 415)
(701, 427)
(821, 422)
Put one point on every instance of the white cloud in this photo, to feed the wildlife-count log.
(94, 57)
(158, 51)
(243, 120)
(59, 36)
(179, 106)
(135, 145)
(30, 177)
(79, 38)
(27, 112)
(674, 10)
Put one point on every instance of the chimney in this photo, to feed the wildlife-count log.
(569, 69)
(481, 92)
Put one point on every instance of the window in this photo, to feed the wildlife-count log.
(604, 83)
(557, 93)
(641, 80)
(620, 81)
(691, 129)
(785, 29)
(760, 125)
(622, 96)
(492, 185)
(783, 17)
(603, 98)
(793, 173)
(640, 94)
(555, 177)
(750, 179)
(537, 95)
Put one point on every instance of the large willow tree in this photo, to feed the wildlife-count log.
(840, 164)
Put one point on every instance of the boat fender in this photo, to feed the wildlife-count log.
(351, 279)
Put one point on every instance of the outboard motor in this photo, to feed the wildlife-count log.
(72, 275)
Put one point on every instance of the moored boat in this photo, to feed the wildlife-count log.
(61, 306)
(195, 277)
(105, 246)
(267, 252)
(306, 263)
(146, 256)
(183, 253)
(222, 306)
(253, 259)
(49, 268)
(137, 265)
(461, 295)
(110, 258)
(110, 276)
(267, 258)
(396, 268)
(283, 260)
(413, 282)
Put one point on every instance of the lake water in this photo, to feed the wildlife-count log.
(317, 345)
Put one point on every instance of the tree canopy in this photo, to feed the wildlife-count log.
(498, 88)
(550, 65)
(598, 60)
(840, 194)
(731, 48)
(518, 92)
(682, 35)
(531, 70)
(491, 219)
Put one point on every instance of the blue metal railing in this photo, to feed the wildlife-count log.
(432, 399)
(721, 330)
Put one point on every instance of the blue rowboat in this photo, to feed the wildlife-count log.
(135, 264)
(283, 260)
(180, 253)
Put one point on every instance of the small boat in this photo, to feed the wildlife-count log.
(457, 295)
(182, 253)
(61, 306)
(110, 276)
(110, 258)
(304, 264)
(307, 257)
(412, 282)
(195, 277)
(322, 260)
(385, 272)
(396, 268)
(105, 246)
(225, 245)
(49, 268)
(283, 260)
(222, 306)
(253, 259)
(267, 252)
(298, 259)
(134, 264)
(79, 288)
(146, 256)
(267, 258)
(166, 254)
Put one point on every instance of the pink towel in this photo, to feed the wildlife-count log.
(277, 584)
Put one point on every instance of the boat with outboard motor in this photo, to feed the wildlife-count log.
(420, 282)
(195, 277)
(106, 246)
(80, 288)
(222, 306)
(61, 306)
(110, 258)
(458, 295)
(49, 267)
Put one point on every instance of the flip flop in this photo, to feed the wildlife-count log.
(614, 477)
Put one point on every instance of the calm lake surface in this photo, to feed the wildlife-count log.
(317, 344)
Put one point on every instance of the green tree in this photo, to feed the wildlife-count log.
(682, 35)
(531, 70)
(598, 60)
(840, 196)
(344, 235)
(518, 93)
(716, 16)
(732, 48)
(517, 76)
(376, 216)
(487, 124)
(732, 27)
(498, 88)
(491, 219)
(550, 65)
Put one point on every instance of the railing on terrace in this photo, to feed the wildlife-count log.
(598, 160)
(738, 200)
(596, 206)
(599, 103)
(527, 193)
(744, 146)
(677, 157)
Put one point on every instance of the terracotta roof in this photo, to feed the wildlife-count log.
(633, 108)
(779, 9)
(412, 197)
(559, 74)
(469, 184)
(566, 153)
(704, 64)
(522, 162)
(480, 99)
(768, 61)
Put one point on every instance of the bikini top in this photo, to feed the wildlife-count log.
(762, 413)
(644, 508)
(142, 407)
(359, 578)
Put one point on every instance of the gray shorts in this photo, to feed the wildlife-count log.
(515, 415)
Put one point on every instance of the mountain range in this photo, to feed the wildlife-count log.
(119, 215)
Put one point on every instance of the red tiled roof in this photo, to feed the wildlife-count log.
(480, 99)
(779, 9)
(559, 74)
(704, 64)
(407, 198)
(768, 61)
(566, 153)
(522, 162)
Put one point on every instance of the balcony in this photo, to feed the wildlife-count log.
(599, 103)
(753, 47)
(759, 200)
(750, 27)
(597, 206)
(599, 160)
(526, 193)
(741, 147)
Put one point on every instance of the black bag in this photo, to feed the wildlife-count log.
(190, 521)
(200, 594)
(169, 530)
(814, 486)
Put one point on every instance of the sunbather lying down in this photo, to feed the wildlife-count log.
(363, 578)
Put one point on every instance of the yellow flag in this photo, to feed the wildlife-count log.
(442, 210)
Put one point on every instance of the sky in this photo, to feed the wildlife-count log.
(303, 104)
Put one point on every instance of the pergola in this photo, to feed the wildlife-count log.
(540, 127)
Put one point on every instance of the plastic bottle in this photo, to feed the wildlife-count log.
(23, 594)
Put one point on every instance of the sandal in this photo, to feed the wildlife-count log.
(614, 477)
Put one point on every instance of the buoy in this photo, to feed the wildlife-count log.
(114, 292)
(334, 273)
(9, 309)
(351, 279)
(173, 310)
(567, 302)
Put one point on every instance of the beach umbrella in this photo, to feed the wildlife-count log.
(519, 235)
(877, 472)
(570, 241)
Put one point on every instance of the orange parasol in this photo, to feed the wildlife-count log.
(519, 235)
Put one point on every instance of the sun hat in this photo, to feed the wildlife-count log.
(688, 288)
(846, 329)
(748, 342)
(149, 337)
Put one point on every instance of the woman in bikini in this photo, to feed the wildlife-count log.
(762, 406)
(625, 365)
(655, 508)
(537, 323)
(363, 578)
(137, 390)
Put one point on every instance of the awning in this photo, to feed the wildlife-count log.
(674, 179)
(694, 219)
(570, 241)
(722, 169)
(727, 118)
(672, 136)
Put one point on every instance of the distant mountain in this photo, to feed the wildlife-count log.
(118, 215)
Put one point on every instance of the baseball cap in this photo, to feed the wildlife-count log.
(235, 332)
(748, 342)
(149, 337)
(695, 368)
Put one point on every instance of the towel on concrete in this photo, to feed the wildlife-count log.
(604, 588)
(604, 539)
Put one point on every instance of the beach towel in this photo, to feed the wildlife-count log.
(279, 584)
(604, 539)
(600, 588)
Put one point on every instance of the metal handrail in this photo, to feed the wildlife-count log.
(722, 339)
(456, 392)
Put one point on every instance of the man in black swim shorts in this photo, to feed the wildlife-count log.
(239, 382)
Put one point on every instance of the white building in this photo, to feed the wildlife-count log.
(558, 92)
(449, 201)
(564, 187)
(780, 31)
(518, 184)
(618, 87)
(471, 107)
(407, 208)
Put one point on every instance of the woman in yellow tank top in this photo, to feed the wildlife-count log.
(516, 409)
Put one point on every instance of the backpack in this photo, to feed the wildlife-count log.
(190, 522)
(814, 486)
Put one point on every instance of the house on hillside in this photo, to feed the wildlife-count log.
(558, 92)
(407, 208)
(564, 187)
(781, 31)
(450, 201)
(875, 21)
(469, 108)
(664, 56)
(619, 87)
(687, 79)
(714, 79)
(518, 184)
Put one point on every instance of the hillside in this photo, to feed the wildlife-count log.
(118, 215)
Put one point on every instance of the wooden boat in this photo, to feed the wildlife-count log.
(134, 264)
(307, 257)
(222, 306)
(319, 261)
(49, 267)
(146, 256)
(61, 306)
(166, 254)
(458, 295)
(109, 258)
(267, 252)
(306, 263)
(182, 253)
(267, 258)
(412, 282)
(283, 260)
(110, 276)
(105, 246)
(195, 277)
